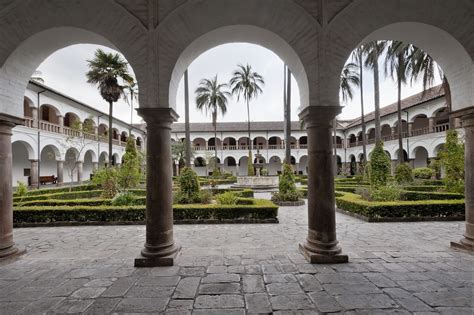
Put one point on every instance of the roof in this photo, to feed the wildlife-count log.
(428, 95)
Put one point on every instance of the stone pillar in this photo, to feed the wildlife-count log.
(410, 129)
(160, 248)
(7, 245)
(467, 242)
(321, 245)
(34, 115)
(79, 166)
(430, 124)
(34, 173)
(60, 171)
(95, 166)
(457, 122)
(61, 123)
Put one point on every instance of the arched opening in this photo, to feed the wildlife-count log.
(103, 130)
(441, 120)
(22, 154)
(303, 141)
(259, 143)
(139, 142)
(230, 165)
(49, 117)
(275, 143)
(124, 136)
(421, 157)
(116, 159)
(405, 155)
(385, 132)
(28, 109)
(243, 143)
(199, 144)
(353, 165)
(243, 164)
(88, 126)
(115, 134)
(274, 165)
(338, 165)
(420, 125)
(303, 165)
(371, 135)
(213, 143)
(49, 157)
(229, 143)
(352, 140)
(293, 142)
(70, 165)
(103, 159)
(71, 120)
(88, 166)
(339, 143)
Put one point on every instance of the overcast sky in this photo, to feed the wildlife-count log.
(65, 71)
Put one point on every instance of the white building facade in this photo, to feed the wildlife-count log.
(425, 120)
(51, 145)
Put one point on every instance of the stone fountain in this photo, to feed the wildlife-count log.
(258, 181)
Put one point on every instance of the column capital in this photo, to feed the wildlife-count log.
(158, 115)
(319, 116)
(468, 120)
(7, 122)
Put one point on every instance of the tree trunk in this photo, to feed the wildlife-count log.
(376, 102)
(248, 126)
(399, 112)
(111, 104)
(288, 118)
(362, 113)
(186, 121)
(215, 147)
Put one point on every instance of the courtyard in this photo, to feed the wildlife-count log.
(241, 269)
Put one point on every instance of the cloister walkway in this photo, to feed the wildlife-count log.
(238, 269)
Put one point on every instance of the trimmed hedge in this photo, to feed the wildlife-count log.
(260, 210)
(412, 210)
(70, 195)
(59, 190)
(428, 195)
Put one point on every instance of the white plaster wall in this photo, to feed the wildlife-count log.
(20, 162)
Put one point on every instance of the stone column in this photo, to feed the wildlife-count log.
(467, 242)
(160, 248)
(321, 245)
(95, 166)
(61, 123)
(34, 173)
(410, 129)
(7, 245)
(79, 166)
(60, 171)
(430, 124)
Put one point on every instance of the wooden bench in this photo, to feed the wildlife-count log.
(48, 179)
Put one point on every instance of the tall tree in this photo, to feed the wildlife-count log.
(399, 67)
(105, 71)
(132, 91)
(358, 58)
(187, 130)
(287, 115)
(213, 98)
(247, 84)
(373, 51)
(350, 78)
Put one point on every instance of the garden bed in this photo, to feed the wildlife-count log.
(259, 211)
(400, 211)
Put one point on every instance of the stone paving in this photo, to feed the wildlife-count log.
(396, 268)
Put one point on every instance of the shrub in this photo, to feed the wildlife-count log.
(379, 166)
(189, 187)
(423, 172)
(385, 193)
(400, 209)
(106, 178)
(403, 174)
(205, 196)
(123, 199)
(452, 160)
(128, 175)
(227, 198)
(264, 172)
(286, 187)
(21, 189)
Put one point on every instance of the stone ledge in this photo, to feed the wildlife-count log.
(409, 219)
(315, 258)
(142, 261)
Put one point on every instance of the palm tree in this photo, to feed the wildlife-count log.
(246, 83)
(211, 97)
(373, 51)
(399, 67)
(351, 76)
(105, 70)
(187, 132)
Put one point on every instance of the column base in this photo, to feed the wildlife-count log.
(11, 252)
(158, 260)
(463, 244)
(317, 258)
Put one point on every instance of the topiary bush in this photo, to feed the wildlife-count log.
(286, 187)
(423, 172)
(403, 174)
(379, 166)
(123, 199)
(189, 188)
(385, 193)
(128, 175)
(227, 198)
(452, 160)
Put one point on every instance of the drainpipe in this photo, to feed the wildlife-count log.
(39, 135)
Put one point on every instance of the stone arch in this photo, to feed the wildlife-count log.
(420, 156)
(22, 154)
(70, 119)
(28, 106)
(103, 159)
(229, 143)
(124, 136)
(274, 165)
(49, 113)
(420, 23)
(199, 143)
(268, 24)
(90, 157)
(303, 164)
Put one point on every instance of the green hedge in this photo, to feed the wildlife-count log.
(260, 210)
(421, 188)
(429, 195)
(246, 193)
(46, 191)
(60, 196)
(401, 209)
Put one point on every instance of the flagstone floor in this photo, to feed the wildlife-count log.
(396, 268)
